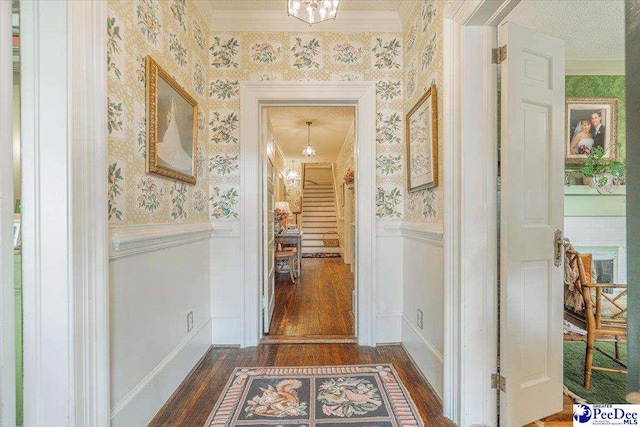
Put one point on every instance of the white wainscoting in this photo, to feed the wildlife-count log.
(158, 274)
(226, 284)
(389, 273)
(423, 289)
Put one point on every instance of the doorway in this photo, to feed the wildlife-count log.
(308, 203)
(594, 210)
(253, 97)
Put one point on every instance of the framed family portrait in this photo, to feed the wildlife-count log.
(422, 143)
(590, 123)
(172, 126)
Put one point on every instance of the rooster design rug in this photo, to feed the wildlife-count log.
(328, 396)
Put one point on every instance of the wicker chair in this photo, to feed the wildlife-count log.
(584, 308)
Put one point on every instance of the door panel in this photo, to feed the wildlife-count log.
(532, 208)
(268, 286)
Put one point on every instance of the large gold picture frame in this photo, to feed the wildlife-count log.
(172, 126)
(422, 143)
(585, 115)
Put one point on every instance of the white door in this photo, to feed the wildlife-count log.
(268, 281)
(532, 209)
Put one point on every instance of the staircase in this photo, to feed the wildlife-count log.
(318, 217)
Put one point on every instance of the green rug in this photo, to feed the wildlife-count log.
(606, 387)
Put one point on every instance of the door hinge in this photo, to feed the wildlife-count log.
(499, 54)
(498, 382)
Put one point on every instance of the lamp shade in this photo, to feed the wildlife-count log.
(283, 206)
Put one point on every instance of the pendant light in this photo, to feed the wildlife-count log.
(308, 151)
(313, 11)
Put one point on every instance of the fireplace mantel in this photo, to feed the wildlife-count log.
(582, 200)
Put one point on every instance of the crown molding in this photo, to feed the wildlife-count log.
(595, 68)
(275, 21)
(206, 10)
(406, 11)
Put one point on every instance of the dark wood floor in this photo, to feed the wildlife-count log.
(319, 305)
(192, 402)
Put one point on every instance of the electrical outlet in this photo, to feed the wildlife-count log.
(190, 321)
(420, 324)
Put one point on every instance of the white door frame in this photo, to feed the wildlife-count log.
(7, 319)
(470, 235)
(254, 95)
(64, 200)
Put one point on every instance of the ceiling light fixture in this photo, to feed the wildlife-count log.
(313, 11)
(308, 151)
(292, 174)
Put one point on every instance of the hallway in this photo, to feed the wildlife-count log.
(319, 306)
(192, 402)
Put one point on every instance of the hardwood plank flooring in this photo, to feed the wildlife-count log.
(561, 419)
(195, 398)
(320, 304)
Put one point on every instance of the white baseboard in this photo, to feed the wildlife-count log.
(226, 329)
(388, 328)
(429, 360)
(142, 403)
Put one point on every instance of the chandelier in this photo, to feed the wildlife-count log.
(292, 175)
(313, 11)
(308, 151)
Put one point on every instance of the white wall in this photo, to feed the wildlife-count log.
(154, 283)
(591, 232)
(423, 288)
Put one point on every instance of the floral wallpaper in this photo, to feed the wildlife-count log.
(602, 87)
(423, 65)
(173, 33)
(211, 65)
(318, 56)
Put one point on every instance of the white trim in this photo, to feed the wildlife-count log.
(65, 271)
(594, 68)
(88, 92)
(273, 20)
(432, 348)
(430, 233)
(7, 301)
(470, 260)
(151, 376)
(135, 239)
(253, 95)
(226, 229)
(388, 228)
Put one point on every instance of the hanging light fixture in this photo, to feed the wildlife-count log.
(291, 174)
(308, 151)
(313, 11)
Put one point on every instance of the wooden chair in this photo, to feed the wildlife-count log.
(584, 302)
(290, 257)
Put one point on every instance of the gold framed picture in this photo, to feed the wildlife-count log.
(172, 126)
(591, 122)
(422, 143)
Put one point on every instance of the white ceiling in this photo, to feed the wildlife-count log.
(592, 29)
(345, 5)
(328, 131)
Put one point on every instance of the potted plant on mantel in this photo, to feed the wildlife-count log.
(605, 175)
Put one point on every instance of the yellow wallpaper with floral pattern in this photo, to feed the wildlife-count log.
(173, 33)
(211, 65)
(423, 65)
(318, 56)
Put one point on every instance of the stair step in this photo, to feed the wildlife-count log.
(319, 209)
(317, 230)
(311, 203)
(318, 236)
(318, 196)
(318, 224)
(306, 214)
(318, 190)
(323, 249)
(327, 185)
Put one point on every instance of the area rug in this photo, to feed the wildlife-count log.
(328, 396)
(321, 255)
(606, 387)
